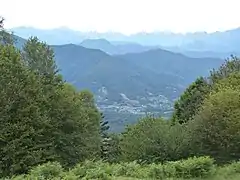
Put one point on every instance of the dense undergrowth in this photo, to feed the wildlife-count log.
(191, 168)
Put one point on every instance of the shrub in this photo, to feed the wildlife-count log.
(20, 177)
(215, 130)
(192, 167)
(48, 170)
(80, 170)
(155, 171)
(229, 170)
(154, 140)
(132, 169)
(97, 173)
(70, 176)
(90, 169)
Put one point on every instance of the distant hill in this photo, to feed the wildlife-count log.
(96, 70)
(213, 54)
(178, 64)
(19, 42)
(53, 37)
(133, 83)
(122, 47)
(202, 53)
(114, 49)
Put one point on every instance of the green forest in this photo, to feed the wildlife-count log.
(50, 130)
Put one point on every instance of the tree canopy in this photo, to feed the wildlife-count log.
(42, 117)
(215, 130)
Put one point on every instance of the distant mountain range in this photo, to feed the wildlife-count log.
(115, 48)
(128, 82)
(118, 48)
(199, 44)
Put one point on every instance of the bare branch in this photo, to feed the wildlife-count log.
(1, 22)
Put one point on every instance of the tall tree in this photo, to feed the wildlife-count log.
(231, 65)
(42, 118)
(190, 101)
(92, 118)
(73, 114)
(78, 120)
(215, 129)
(39, 57)
(5, 37)
(105, 145)
(25, 129)
(1, 22)
(152, 140)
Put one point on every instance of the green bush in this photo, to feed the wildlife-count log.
(229, 170)
(235, 167)
(70, 176)
(192, 167)
(48, 170)
(20, 177)
(156, 171)
(97, 174)
(80, 170)
(93, 170)
(132, 169)
(154, 140)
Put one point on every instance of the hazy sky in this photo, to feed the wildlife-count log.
(126, 16)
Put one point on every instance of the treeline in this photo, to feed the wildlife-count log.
(44, 119)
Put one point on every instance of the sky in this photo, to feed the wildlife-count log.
(125, 16)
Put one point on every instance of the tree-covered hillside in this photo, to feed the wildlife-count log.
(133, 83)
(130, 85)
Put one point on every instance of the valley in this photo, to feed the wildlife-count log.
(130, 80)
(133, 83)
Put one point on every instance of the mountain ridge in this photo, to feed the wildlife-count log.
(134, 83)
(199, 44)
(155, 38)
(114, 49)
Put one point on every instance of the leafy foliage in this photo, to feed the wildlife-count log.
(231, 65)
(39, 57)
(202, 167)
(5, 37)
(24, 125)
(215, 130)
(153, 140)
(190, 101)
(77, 136)
(42, 118)
(104, 127)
